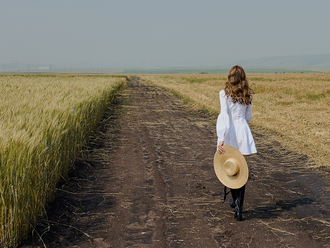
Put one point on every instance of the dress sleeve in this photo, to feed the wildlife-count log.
(248, 112)
(223, 122)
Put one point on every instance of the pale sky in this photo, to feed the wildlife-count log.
(166, 33)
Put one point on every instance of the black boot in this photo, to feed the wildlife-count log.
(232, 202)
(239, 203)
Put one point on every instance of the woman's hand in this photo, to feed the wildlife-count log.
(220, 148)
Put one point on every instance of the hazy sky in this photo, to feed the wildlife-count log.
(152, 32)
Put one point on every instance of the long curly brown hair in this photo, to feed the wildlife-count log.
(237, 86)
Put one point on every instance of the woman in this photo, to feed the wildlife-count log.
(232, 124)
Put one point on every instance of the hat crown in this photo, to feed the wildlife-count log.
(231, 167)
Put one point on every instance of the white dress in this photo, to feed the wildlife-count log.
(232, 125)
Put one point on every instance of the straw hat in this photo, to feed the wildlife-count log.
(231, 168)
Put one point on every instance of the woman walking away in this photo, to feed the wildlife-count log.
(232, 125)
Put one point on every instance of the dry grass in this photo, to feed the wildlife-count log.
(295, 107)
(44, 123)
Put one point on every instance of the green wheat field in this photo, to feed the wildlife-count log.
(45, 122)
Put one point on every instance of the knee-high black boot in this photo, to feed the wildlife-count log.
(239, 203)
(232, 202)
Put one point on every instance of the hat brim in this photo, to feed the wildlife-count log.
(238, 180)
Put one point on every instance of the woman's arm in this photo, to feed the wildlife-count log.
(223, 122)
(248, 112)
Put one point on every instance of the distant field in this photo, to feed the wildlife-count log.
(210, 70)
(159, 70)
(44, 124)
(295, 107)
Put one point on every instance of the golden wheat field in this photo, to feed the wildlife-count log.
(294, 107)
(44, 122)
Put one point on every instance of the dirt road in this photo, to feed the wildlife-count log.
(149, 182)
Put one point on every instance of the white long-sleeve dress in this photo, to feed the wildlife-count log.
(232, 125)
